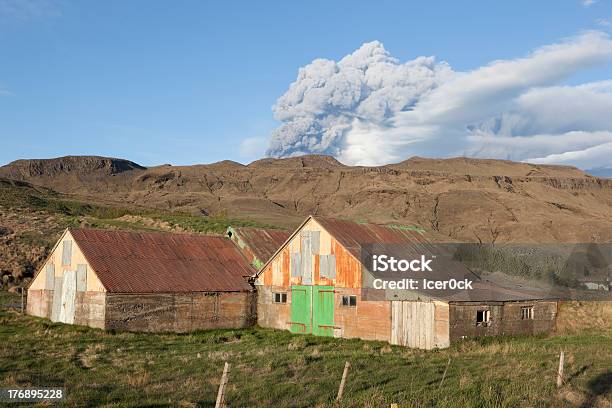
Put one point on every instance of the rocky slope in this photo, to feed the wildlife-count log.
(464, 199)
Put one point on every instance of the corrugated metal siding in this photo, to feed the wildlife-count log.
(66, 252)
(81, 277)
(57, 298)
(299, 263)
(327, 266)
(50, 277)
(332, 266)
(315, 239)
(296, 265)
(348, 268)
(306, 265)
(284, 265)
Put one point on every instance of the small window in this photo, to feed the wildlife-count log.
(527, 313)
(483, 317)
(280, 298)
(349, 300)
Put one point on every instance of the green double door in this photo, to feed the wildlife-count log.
(312, 310)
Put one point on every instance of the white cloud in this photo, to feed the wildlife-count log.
(369, 85)
(591, 157)
(371, 109)
(588, 3)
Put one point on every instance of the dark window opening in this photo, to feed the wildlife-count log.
(527, 313)
(280, 298)
(349, 300)
(483, 317)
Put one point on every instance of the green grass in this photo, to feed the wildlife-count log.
(24, 196)
(275, 368)
(207, 224)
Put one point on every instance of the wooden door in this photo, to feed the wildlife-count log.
(301, 309)
(323, 311)
(66, 313)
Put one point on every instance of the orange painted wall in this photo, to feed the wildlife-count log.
(369, 320)
(348, 269)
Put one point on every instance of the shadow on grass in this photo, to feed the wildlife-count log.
(579, 372)
(599, 386)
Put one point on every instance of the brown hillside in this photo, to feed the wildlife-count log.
(465, 199)
(69, 165)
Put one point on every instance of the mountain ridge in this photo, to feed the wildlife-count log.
(465, 199)
(66, 164)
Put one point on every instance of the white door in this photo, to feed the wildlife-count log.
(66, 313)
(413, 324)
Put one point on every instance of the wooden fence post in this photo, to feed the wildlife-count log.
(444, 375)
(221, 394)
(347, 365)
(560, 372)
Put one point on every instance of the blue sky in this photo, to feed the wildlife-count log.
(188, 81)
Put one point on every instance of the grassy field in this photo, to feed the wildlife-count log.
(274, 368)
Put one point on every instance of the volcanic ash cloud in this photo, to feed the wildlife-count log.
(369, 108)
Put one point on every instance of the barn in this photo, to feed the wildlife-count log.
(314, 284)
(137, 281)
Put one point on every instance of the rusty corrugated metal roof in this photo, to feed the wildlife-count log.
(413, 242)
(353, 235)
(138, 262)
(262, 242)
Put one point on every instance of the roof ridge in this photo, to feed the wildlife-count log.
(359, 222)
(184, 234)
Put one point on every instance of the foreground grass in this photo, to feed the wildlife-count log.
(275, 368)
